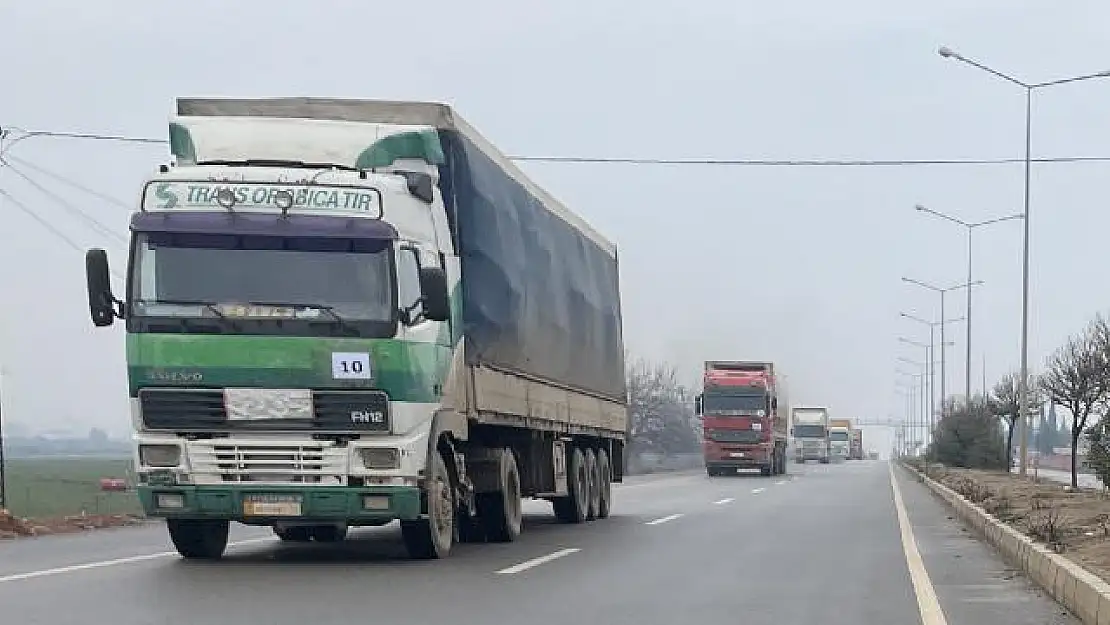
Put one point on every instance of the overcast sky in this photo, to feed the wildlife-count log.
(799, 265)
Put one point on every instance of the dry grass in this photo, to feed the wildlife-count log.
(1073, 523)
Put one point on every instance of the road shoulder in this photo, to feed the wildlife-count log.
(972, 582)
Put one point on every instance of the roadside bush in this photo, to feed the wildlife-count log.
(969, 436)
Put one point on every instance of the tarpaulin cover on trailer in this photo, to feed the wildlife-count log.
(539, 295)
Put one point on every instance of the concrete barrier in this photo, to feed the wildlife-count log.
(1083, 593)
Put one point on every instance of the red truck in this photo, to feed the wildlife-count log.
(745, 418)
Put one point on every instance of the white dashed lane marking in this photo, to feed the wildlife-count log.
(534, 562)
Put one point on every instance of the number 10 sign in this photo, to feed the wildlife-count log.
(350, 366)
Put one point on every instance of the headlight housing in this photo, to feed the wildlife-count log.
(161, 456)
(380, 458)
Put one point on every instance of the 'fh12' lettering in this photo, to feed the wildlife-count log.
(370, 417)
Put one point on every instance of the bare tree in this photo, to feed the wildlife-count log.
(660, 411)
(1075, 379)
(1004, 404)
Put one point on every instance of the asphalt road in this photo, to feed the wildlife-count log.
(822, 545)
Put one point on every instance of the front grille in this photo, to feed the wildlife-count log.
(200, 410)
(265, 463)
(736, 436)
(188, 409)
(351, 410)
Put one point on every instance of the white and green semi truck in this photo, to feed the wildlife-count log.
(343, 313)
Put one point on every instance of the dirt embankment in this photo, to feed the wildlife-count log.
(12, 526)
(1076, 524)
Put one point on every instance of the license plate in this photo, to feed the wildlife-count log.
(272, 505)
(737, 454)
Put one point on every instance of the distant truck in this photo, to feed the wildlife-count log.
(855, 444)
(839, 439)
(745, 415)
(343, 313)
(810, 431)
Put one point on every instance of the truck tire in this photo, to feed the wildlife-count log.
(765, 471)
(573, 507)
(199, 539)
(432, 537)
(594, 501)
(501, 513)
(605, 486)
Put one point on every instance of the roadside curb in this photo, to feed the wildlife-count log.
(1084, 594)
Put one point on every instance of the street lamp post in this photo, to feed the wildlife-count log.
(917, 417)
(932, 350)
(1023, 395)
(970, 226)
(943, 342)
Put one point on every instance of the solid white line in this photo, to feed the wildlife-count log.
(756, 491)
(664, 519)
(527, 564)
(781, 482)
(724, 501)
(115, 562)
(927, 602)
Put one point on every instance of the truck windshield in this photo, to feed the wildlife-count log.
(713, 404)
(809, 431)
(179, 274)
(838, 436)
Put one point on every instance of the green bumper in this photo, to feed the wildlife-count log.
(317, 504)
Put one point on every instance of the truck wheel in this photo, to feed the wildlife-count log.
(573, 507)
(605, 485)
(431, 538)
(295, 534)
(199, 539)
(329, 533)
(594, 501)
(501, 512)
(765, 471)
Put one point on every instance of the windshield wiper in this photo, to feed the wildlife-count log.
(279, 163)
(329, 310)
(188, 302)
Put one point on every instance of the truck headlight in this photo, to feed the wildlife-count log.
(380, 457)
(160, 455)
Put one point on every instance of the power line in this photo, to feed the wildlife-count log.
(45, 224)
(809, 162)
(64, 180)
(80, 214)
(653, 161)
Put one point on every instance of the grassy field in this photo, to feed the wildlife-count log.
(51, 487)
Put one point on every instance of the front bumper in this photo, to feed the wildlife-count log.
(333, 503)
(738, 458)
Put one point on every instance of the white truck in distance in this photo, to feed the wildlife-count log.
(811, 434)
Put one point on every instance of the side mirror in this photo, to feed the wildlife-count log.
(101, 301)
(697, 405)
(433, 290)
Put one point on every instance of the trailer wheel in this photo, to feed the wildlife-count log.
(605, 484)
(432, 537)
(501, 512)
(198, 539)
(592, 470)
(573, 507)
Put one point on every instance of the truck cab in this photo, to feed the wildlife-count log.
(743, 425)
(839, 443)
(810, 432)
